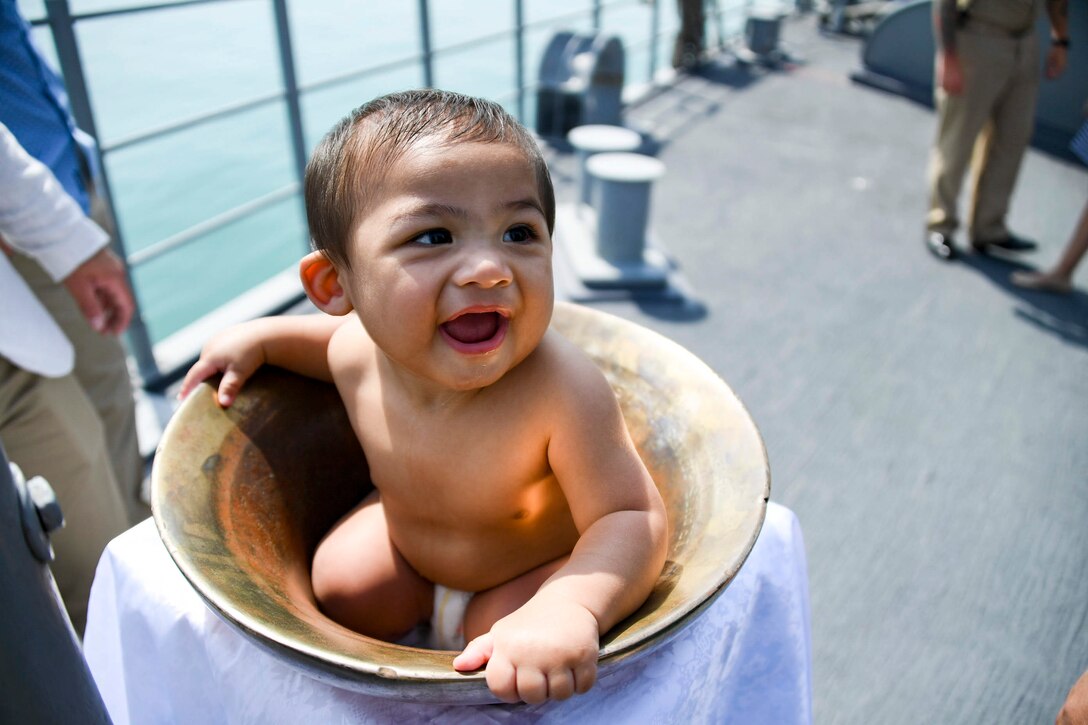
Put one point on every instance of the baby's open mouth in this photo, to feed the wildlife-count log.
(473, 327)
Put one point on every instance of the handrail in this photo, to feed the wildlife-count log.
(197, 119)
(329, 81)
(131, 9)
(209, 225)
(62, 21)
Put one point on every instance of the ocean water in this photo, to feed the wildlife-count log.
(149, 69)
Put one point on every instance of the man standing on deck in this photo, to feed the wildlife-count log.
(987, 82)
(60, 423)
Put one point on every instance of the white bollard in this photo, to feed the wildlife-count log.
(598, 138)
(624, 181)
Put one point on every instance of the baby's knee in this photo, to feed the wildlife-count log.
(329, 583)
(364, 600)
(344, 600)
(336, 585)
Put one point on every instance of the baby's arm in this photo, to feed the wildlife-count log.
(548, 648)
(296, 342)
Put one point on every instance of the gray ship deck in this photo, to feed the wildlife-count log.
(927, 422)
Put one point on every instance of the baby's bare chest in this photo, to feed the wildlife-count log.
(451, 466)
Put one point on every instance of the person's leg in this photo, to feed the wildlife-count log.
(948, 163)
(1013, 123)
(960, 120)
(102, 371)
(1074, 250)
(361, 581)
(1060, 277)
(491, 605)
(1075, 709)
(50, 429)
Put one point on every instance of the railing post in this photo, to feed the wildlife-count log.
(64, 37)
(655, 31)
(290, 88)
(519, 60)
(425, 43)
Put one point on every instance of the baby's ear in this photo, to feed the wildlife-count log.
(321, 282)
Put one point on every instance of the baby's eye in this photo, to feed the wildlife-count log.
(434, 236)
(519, 234)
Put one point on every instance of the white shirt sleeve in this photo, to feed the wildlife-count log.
(38, 218)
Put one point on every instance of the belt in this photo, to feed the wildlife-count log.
(985, 27)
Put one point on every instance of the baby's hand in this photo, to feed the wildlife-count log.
(545, 650)
(235, 353)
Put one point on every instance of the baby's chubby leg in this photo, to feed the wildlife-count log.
(362, 581)
(493, 604)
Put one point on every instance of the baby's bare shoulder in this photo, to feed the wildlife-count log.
(350, 350)
(564, 375)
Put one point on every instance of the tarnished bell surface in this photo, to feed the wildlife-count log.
(242, 496)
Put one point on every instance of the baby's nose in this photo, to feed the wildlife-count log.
(484, 267)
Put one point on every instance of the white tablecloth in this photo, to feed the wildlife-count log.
(159, 655)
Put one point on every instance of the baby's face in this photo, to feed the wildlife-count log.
(452, 263)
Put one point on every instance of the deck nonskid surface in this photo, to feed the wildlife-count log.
(926, 421)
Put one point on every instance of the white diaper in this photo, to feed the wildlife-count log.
(448, 618)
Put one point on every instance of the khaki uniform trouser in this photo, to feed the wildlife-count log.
(989, 126)
(79, 433)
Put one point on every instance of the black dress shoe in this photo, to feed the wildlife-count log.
(1010, 243)
(940, 245)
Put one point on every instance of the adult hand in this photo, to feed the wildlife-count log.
(950, 73)
(1055, 61)
(101, 290)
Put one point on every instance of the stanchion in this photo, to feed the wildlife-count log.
(595, 139)
(607, 242)
(624, 182)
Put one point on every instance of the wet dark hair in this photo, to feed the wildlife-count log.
(350, 160)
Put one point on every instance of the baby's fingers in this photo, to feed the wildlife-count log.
(561, 684)
(532, 685)
(502, 680)
(475, 655)
(528, 684)
(585, 676)
(198, 373)
(231, 385)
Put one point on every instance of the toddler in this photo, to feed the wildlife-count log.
(511, 509)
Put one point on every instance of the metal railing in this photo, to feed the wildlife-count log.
(62, 22)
